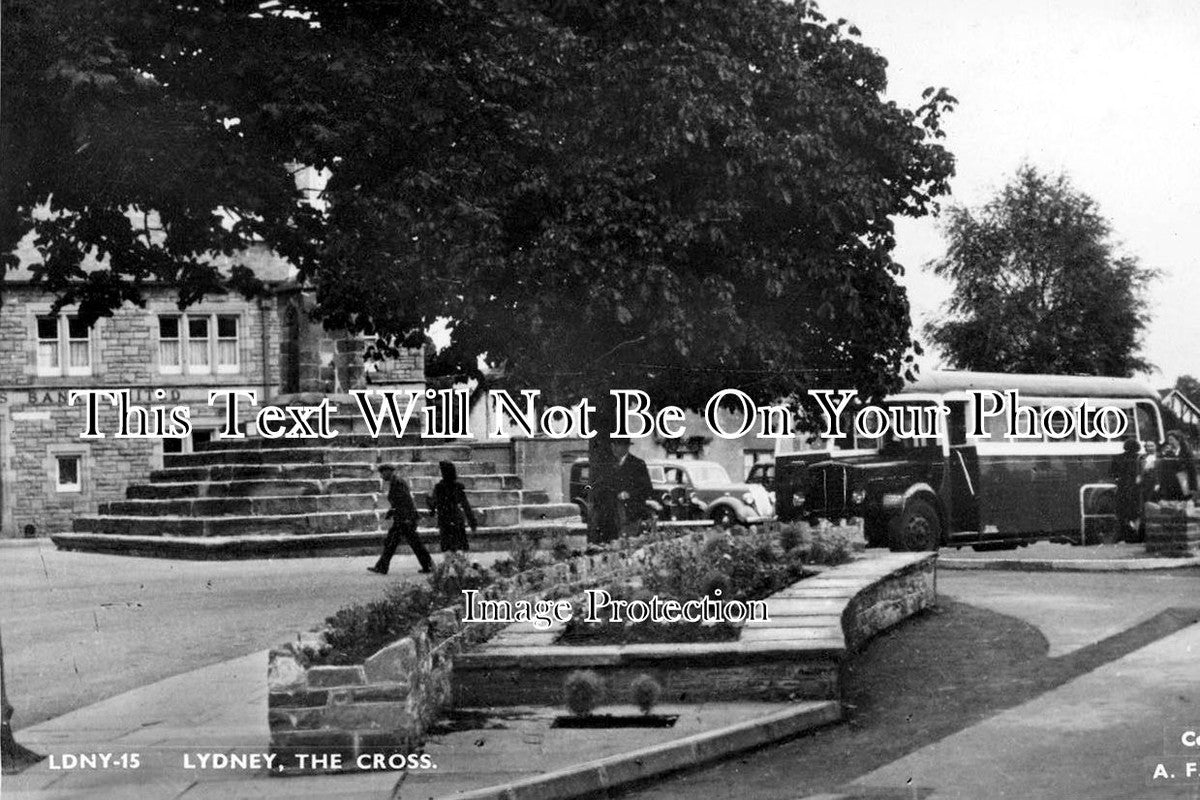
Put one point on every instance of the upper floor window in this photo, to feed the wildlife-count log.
(194, 343)
(64, 346)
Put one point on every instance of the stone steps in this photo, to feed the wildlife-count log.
(261, 497)
(293, 487)
(313, 455)
(300, 515)
(298, 504)
(355, 543)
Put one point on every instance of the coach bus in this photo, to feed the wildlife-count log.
(989, 491)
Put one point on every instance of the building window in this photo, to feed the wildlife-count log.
(69, 477)
(64, 346)
(187, 344)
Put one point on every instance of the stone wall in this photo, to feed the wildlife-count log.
(795, 654)
(907, 591)
(313, 359)
(1172, 529)
(384, 705)
(37, 425)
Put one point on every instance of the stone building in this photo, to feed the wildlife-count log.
(164, 357)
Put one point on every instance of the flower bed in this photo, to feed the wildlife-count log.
(728, 569)
(379, 674)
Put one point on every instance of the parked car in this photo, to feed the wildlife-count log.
(763, 473)
(723, 500)
(671, 500)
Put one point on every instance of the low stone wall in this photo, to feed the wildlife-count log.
(908, 590)
(384, 705)
(1172, 529)
(795, 654)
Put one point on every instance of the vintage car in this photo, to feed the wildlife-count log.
(763, 473)
(723, 500)
(671, 501)
(689, 490)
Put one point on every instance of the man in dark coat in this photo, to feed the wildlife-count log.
(629, 484)
(403, 514)
(1126, 471)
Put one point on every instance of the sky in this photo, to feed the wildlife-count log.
(1107, 92)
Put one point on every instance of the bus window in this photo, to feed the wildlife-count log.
(1057, 424)
(1147, 423)
(995, 428)
(1130, 430)
(956, 422)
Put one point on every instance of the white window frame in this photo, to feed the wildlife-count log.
(68, 488)
(63, 342)
(213, 341)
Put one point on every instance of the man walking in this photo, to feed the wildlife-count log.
(403, 514)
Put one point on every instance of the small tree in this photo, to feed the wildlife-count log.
(646, 692)
(1039, 286)
(582, 692)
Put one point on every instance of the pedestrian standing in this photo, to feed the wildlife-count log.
(449, 505)
(403, 514)
(1126, 470)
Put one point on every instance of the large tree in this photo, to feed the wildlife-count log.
(1039, 285)
(670, 196)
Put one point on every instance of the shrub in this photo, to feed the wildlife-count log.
(830, 548)
(357, 632)
(522, 557)
(582, 692)
(455, 574)
(560, 548)
(646, 692)
(792, 536)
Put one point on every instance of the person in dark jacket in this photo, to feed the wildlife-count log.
(449, 504)
(1176, 469)
(1126, 470)
(403, 514)
(629, 484)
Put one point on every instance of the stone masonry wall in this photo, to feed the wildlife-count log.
(37, 425)
(383, 706)
(1172, 529)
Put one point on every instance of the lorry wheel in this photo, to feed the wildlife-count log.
(918, 528)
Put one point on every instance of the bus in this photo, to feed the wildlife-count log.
(989, 491)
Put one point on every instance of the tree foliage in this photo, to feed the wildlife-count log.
(1038, 285)
(672, 196)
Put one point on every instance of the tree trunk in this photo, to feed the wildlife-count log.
(13, 757)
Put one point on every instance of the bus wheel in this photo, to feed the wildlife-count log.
(917, 529)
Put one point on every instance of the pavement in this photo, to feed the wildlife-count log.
(82, 627)
(1047, 556)
(1045, 748)
(162, 739)
(1136, 706)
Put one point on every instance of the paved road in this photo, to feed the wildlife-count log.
(1109, 669)
(81, 627)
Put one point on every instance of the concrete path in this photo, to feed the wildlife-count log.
(169, 725)
(1049, 748)
(161, 739)
(81, 627)
(1074, 610)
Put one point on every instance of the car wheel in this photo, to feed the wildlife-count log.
(724, 517)
(918, 528)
